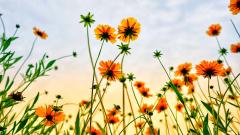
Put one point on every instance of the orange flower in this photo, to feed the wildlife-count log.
(129, 29)
(214, 30)
(110, 70)
(191, 89)
(145, 92)
(37, 32)
(93, 131)
(226, 71)
(84, 102)
(189, 79)
(105, 33)
(209, 68)
(51, 117)
(113, 112)
(140, 124)
(178, 83)
(162, 105)
(145, 108)
(234, 6)
(150, 132)
(179, 107)
(183, 69)
(235, 48)
(139, 84)
(113, 119)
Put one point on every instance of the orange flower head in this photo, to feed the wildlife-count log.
(191, 89)
(178, 83)
(146, 108)
(183, 69)
(140, 124)
(162, 105)
(129, 29)
(145, 92)
(150, 132)
(109, 70)
(179, 107)
(84, 102)
(105, 33)
(37, 32)
(235, 48)
(226, 71)
(139, 84)
(209, 69)
(189, 79)
(93, 131)
(214, 30)
(113, 119)
(51, 117)
(113, 112)
(234, 6)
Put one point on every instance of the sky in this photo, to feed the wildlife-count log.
(176, 27)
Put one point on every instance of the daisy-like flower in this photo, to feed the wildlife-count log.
(162, 105)
(139, 84)
(214, 30)
(140, 124)
(178, 83)
(37, 32)
(150, 132)
(146, 108)
(189, 79)
(209, 69)
(145, 92)
(191, 89)
(179, 107)
(226, 71)
(129, 29)
(234, 6)
(109, 70)
(105, 33)
(113, 112)
(50, 116)
(93, 131)
(113, 119)
(183, 69)
(84, 103)
(235, 48)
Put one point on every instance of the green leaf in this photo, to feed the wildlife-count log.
(77, 124)
(35, 100)
(215, 115)
(205, 126)
(50, 64)
(22, 124)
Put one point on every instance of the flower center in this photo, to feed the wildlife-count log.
(129, 31)
(184, 71)
(109, 73)
(39, 33)
(215, 32)
(49, 117)
(105, 36)
(162, 108)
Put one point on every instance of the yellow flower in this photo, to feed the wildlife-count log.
(129, 29)
(105, 33)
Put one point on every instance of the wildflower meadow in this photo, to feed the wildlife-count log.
(196, 99)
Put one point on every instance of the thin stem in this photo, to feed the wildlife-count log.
(3, 24)
(26, 58)
(235, 28)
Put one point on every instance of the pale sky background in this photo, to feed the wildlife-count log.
(176, 27)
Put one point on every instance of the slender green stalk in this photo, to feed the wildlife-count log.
(29, 54)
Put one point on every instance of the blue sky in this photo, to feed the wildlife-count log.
(176, 27)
